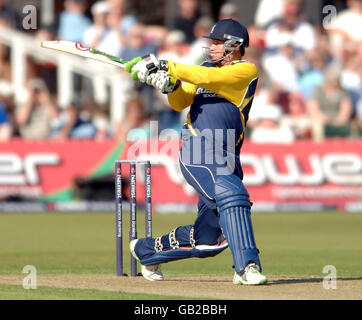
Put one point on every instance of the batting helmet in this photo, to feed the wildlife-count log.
(229, 29)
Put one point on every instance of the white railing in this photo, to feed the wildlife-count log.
(23, 45)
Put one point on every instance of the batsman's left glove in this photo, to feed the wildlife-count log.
(162, 81)
(141, 67)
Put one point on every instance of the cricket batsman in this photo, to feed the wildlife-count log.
(220, 93)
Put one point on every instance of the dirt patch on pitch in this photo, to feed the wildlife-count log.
(203, 286)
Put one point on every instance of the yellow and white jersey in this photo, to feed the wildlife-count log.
(220, 97)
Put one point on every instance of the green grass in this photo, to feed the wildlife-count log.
(14, 292)
(299, 244)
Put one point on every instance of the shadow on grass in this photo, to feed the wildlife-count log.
(308, 280)
(270, 282)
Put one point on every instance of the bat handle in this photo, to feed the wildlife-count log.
(173, 80)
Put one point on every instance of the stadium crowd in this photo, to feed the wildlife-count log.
(310, 74)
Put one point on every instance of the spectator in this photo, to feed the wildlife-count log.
(312, 77)
(187, 15)
(268, 129)
(282, 73)
(229, 10)
(267, 12)
(345, 30)
(291, 27)
(351, 78)
(5, 125)
(175, 49)
(119, 24)
(135, 124)
(137, 47)
(75, 122)
(72, 21)
(202, 28)
(94, 37)
(95, 33)
(34, 117)
(297, 120)
(47, 68)
(136, 44)
(5, 67)
(9, 18)
(330, 107)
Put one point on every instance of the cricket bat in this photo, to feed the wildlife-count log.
(79, 50)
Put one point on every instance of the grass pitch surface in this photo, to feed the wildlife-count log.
(292, 246)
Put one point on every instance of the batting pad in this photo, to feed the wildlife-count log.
(237, 227)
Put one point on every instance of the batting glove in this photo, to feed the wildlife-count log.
(162, 81)
(141, 67)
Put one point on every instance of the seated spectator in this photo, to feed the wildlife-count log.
(75, 122)
(345, 30)
(5, 67)
(297, 120)
(136, 45)
(268, 12)
(229, 10)
(282, 73)
(351, 76)
(313, 74)
(187, 15)
(202, 28)
(268, 129)
(119, 23)
(9, 18)
(175, 47)
(293, 26)
(35, 115)
(96, 32)
(72, 21)
(5, 124)
(330, 107)
(135, 125)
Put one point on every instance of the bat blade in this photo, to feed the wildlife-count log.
(79, 50)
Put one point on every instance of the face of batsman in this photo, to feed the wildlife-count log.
(227, 36)
(217, 53)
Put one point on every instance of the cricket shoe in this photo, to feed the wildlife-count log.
(250, 276)
(152, 272)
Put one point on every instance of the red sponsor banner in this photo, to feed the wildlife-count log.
(40, 169)
(329, 173)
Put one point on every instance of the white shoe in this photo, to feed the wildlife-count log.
(151, 272)
(250, 276)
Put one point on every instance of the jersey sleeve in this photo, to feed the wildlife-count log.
(182, 97)
(227, 81)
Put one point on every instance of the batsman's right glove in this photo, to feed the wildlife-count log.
(162, 81)
(141, 67)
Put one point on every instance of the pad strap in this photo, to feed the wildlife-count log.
(158, 244)
(192, 238)
(172, 238)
